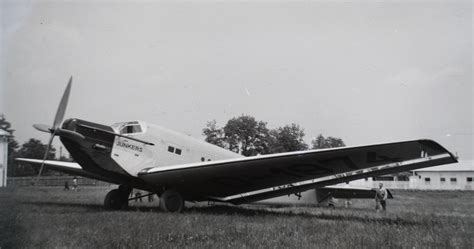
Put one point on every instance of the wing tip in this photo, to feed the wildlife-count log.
(433, 144)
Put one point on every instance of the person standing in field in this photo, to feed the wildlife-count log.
(332, 202)
(381, 198)
(138, 196)
(74, 183)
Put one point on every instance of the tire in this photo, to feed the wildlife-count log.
(171, 201)
(114, 200)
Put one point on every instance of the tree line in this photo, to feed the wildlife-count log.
(33, 148)
(247, 136)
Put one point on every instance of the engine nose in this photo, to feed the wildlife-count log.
(69, 124)
(93, 132)
(93, 152)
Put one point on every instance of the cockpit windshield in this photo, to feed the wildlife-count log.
(128, 127)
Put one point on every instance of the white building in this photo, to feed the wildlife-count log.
(456, 176)
(3, 157)
(447, 177)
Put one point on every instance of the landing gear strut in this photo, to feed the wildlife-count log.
(117, 199)
(171, 201)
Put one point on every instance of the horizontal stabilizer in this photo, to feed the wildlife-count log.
(346, 192)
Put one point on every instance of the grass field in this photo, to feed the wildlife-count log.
(53, 218)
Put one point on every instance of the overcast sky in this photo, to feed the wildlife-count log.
(367, 72)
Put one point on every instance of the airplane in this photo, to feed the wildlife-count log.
(179, 168)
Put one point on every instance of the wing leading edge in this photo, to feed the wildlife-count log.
(251, 179)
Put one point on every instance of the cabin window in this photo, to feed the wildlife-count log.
(469, 179)
(427, 179)
(453, 179)
(172, 149)
(131, 129)
(443, 179)
(203, 159)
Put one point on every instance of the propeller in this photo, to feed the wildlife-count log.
(55, 129)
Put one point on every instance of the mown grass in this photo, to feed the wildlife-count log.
(53, 218)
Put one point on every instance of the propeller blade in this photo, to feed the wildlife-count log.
(45, 155)
(62, 106)
(43, 128)
(58, 119)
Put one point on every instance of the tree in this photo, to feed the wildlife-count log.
(319, 142)
(333, 142)
(214, 135)
(12, 145)
(330, 142)
(288, 138)
(247, 136)
(33, 149)
(262, 142)
(5, 125)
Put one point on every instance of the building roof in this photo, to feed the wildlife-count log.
(4, 133)
(465, 165)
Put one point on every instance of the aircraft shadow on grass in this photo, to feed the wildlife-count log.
(237, 210)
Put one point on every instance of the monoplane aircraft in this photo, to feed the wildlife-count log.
(180, 168)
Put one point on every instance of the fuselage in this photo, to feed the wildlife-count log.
(169, 147)
(142, 145)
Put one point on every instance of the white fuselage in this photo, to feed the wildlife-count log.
(169, 148)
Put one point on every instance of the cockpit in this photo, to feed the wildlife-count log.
(132, 127)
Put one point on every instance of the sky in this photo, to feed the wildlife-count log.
(365, 71)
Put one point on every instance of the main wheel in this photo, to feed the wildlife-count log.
(171, 201)
(115, 200)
